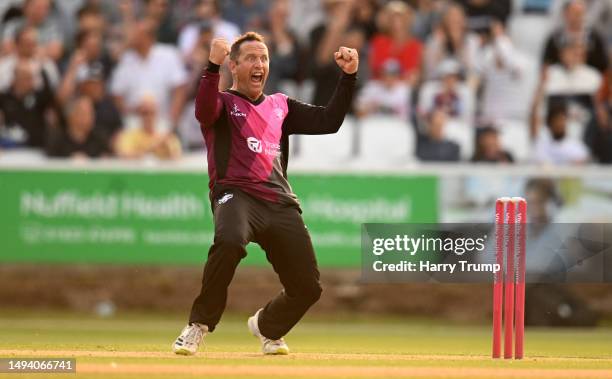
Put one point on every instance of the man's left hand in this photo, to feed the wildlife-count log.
(347, 59)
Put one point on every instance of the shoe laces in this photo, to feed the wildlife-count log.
(194, 333)
(278, 342)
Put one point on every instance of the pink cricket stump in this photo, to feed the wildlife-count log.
(498, 286)
(509, 281)
(521, 220)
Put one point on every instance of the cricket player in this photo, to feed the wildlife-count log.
(247, 136)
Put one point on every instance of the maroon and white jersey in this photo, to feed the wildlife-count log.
(248, 140)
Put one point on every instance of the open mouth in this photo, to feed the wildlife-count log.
(257, 78)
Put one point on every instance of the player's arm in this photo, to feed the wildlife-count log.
(208, 104)
(305, 118)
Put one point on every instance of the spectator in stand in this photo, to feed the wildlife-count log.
(282, 45)
(157, 11)
(26, 50)
(449, 93)
(27, 111)
(207, 12)
(90, 46)
(482, 13)
(427, 15)
(575, 83)
(337, 30)
(36, 14)
(364, 17)
(120, 17)
(574, 28)
(452, 40)
(150, 70)
(432, 146)
(553, 145)
(572, 76)
(91, 19)
(79, 139)
(504, 71)
(488, 147)
(600, 137)
(145, 138)
(388, 95)
(396, 42)
(246, 14)
(84, 79)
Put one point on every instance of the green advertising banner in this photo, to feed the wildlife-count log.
(146, 217)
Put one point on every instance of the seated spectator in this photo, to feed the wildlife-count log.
(488, 147)
(448, 93)
(553, 145)
(388, 95)
(396, 42)
(149, 70)
(572, 76)
(432, 146)
(282, 45)
(27, 112)
(26, 50)
(89, 56)
(37, 15)
(144, 139)
(206, 12)
(79, 139)
(504, 71)
(89, 82)
(452, 40)
(574, 28)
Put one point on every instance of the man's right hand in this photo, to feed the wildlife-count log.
(219, 49)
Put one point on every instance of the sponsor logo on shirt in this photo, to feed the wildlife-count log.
(236, 112)
(254, 144)
(268, 148)
(225, 198)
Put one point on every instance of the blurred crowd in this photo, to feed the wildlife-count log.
(101, 78)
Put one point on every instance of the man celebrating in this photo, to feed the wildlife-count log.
(247, 137)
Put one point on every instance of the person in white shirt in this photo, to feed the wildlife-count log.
(150, 70)
(505, 72)
(207, 13)
(572, 76)
(553, 145)
(390, 95)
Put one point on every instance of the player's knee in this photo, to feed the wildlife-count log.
(312, 293)
(230, 245)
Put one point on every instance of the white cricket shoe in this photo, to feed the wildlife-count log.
(268, 346)
(190, 339)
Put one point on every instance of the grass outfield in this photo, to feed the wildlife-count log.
(136, 346)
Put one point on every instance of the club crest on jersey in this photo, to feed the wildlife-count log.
(237, 112)
(279, 113)
(225, 198)
(254, 144)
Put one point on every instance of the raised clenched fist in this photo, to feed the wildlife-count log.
(347, 59)
(219, 49)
